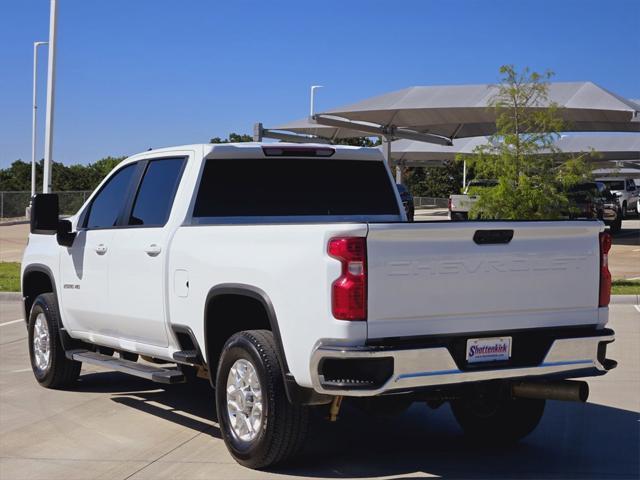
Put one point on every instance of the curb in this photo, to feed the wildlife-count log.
(13, 222)
(10, 296)
(632, 299)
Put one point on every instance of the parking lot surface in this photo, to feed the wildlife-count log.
(112, 426)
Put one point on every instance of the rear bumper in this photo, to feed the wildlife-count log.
(368, 371)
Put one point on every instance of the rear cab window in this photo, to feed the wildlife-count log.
(154, 198)
(295, 189)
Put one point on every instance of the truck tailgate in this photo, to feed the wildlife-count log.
(433, 278)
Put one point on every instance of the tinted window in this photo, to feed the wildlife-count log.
(290, 186)
(615, 184)
(108, 203)
(155, 196)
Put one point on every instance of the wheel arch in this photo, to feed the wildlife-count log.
(295, 393)
(36, 279)
(250, 292)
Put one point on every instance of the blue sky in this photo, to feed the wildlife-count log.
(134, 74)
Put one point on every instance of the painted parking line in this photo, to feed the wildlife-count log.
(11, 322)
(637, 308)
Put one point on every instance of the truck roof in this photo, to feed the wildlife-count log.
(255, 150)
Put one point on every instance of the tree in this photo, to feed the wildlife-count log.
(64, 178)
(357, 142)
(522, 155)
(434, 181)
(233, 138)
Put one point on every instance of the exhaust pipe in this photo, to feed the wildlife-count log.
(567, 390)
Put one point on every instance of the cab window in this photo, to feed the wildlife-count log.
(156, 193)
(110, 200)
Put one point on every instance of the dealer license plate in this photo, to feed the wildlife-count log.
(496, 349)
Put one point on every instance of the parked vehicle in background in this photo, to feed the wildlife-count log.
(407, 201)
(460, 205)
(626, 189)
(593, 200)
(310, 287)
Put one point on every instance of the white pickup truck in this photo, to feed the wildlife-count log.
(288, 277)
(460, 205)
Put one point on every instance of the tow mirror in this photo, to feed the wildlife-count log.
(45, 213)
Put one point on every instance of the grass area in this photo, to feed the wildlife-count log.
(625, 287)
(10, 281)
(9, 277)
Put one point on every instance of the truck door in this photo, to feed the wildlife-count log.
(137, 266)
(84, 267)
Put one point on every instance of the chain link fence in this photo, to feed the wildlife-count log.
(13, 205)
(430, 202)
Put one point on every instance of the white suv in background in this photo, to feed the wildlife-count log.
(626, 190)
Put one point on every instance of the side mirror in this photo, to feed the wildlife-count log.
(45, 220)
(44, 213)
(64, 235)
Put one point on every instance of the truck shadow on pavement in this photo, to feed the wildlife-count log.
(573, 440)
(627, 236)
(189, 405)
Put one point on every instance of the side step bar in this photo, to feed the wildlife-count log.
(155, 374)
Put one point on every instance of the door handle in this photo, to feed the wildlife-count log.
(101, 249)
(153, 250)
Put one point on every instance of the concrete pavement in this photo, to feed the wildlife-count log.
(118, 427)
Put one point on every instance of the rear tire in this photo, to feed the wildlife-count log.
(459, 216)
(50, 366)
(249, 374)
(491, 419)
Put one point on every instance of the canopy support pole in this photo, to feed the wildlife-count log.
(381, 130)
(386, 142)
(464, 174)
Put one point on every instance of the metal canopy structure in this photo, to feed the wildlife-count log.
(606, 148)
(463, 111)
(442, 114)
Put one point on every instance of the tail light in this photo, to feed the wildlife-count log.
(450, 204)
(349, 290)
(605, 275)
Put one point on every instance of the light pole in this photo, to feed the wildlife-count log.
(313, 92)
(51, 80)
(34, 119)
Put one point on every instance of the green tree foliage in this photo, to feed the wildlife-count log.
(233, 138)
(522, 156)
(358, 142)
(434, 181)
(64, 177)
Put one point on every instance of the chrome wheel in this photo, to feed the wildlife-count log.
(41, 343)
(244, 400)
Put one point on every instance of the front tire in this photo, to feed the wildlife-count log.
(258, 423)
(492, 419)
(50, 366)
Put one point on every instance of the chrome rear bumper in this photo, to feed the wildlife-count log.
(430, 367)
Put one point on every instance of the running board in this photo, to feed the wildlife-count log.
(155, 374)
